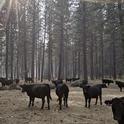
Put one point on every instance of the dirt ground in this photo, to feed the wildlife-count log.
(14, 110)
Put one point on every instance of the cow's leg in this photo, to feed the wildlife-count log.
(66, 100)
(100, 97)
(89, 100)
(121, 122)
(48, 102)
(85, 102)
(43, 101)
(33, 101)
(96, 100)
(32, 81)
(29, 102)
(60, 103)
(120, 89)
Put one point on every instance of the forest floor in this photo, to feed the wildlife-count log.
(14, 110)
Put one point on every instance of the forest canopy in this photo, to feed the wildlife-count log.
(48, 39)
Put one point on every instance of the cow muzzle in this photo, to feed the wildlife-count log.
(117, 118)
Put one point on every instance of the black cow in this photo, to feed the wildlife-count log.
(84, 82)
(57, 81)
(29, 79)
(38, 91)
(74, 79)
(107, 81)
(120, 84)
(62, 91)
(117, 108)
(9, 82)
(16, 81)
(92, 92)
(68, 79)
(4, 81)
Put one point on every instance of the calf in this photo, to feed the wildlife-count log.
(92, 92)
(74, 79)
(29, 79)
(38, 91)
(8, 82)
(68, 79)
(120, 84)
(4, 81)
(62, 91)
(117, 105)
(17, 81)
(107, 81)
(84, 82)
(57, 81)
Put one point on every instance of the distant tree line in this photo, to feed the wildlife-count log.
(61, 39)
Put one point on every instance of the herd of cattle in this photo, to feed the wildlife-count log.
(62, 91)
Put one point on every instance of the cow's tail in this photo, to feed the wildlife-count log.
(49, 91)
(50, 97)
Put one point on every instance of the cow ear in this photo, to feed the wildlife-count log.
(122, 101)
(21, 86)
(87, 86)
(81, 85)
(108, 102)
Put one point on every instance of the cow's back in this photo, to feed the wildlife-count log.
(62, 89)
(38, 90)
(94, 91)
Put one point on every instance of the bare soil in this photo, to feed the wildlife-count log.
(14, 110)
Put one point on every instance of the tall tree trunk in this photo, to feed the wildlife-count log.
(114, 55)
(12, 49)
(50, 47)
(39, 60)
(7, 43)
(79, 64)
(96, 60)
(33, 40)
(92, 58)
(25, 44)
(44, 42)
(101, 47)
(66, 57)
(121, 21)
(85, 75)
(61, 45)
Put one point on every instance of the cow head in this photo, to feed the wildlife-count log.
(86, 88)
(117, 108)
(54, 82)
(103, 86)
(117, 82)
(57, 82)
(24, 87)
